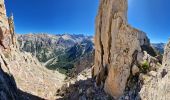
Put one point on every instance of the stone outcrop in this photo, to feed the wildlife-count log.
(118, 47)
(156, 87)
(9, 89)
(4, 20)
(6, 37)
(30, 75)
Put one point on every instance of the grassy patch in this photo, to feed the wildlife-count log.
(145, 66)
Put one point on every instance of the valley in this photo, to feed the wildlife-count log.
(65, 53)
(118, 63)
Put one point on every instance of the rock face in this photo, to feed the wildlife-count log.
(4, 20)
(117, 46)
(31, 76)
(14, 85)
(157, 87)
(8, 89)
(6, 37)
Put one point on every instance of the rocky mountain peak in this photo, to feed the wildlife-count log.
(117, 47)
(7, 35)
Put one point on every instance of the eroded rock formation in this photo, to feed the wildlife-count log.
(118, 47)
(6, 36)
(156, 87)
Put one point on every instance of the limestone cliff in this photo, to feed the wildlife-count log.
(118, 47)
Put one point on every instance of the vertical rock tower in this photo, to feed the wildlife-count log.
(117, 47)
(6, 36)
(3, 17)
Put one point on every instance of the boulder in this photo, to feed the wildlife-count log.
(135, 69)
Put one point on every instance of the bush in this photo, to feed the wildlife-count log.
(145, 66)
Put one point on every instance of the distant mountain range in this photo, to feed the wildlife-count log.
(158, 47)
(65, 53)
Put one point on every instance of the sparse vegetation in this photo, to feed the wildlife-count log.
(145, 66)
(61, 54)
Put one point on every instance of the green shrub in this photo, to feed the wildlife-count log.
(145, 65)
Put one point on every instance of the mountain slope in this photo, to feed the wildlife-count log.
(159, 47)
(31, 76)
(59, 52)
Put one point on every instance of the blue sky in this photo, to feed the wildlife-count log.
(78, 16)
(151, 16)
(54, 16)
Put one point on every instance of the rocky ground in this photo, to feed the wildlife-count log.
(156, 87)
(82, 87)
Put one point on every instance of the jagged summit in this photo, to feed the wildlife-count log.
(7, 34)
(117, 44)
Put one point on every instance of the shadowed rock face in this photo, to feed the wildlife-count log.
(8, 85)
(9, 90)
(116, 46)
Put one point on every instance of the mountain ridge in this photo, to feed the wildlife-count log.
(64, 50)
